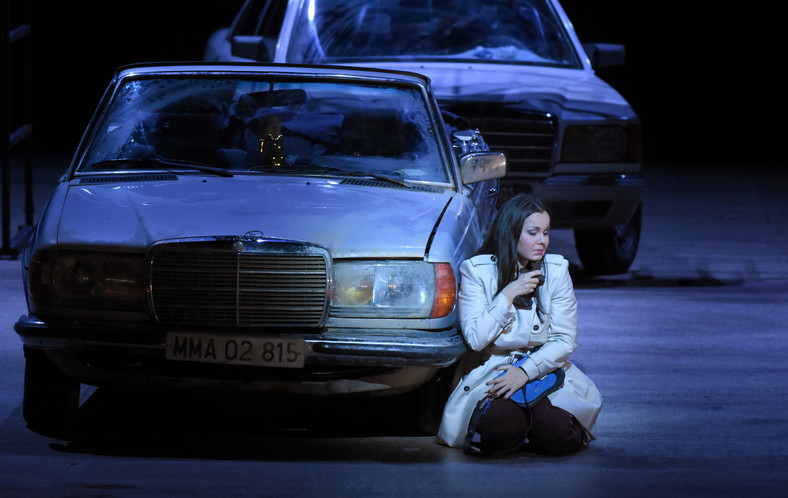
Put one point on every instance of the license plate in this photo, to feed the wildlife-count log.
(235, 350)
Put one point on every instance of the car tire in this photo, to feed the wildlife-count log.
(607, 251)
(51, 399)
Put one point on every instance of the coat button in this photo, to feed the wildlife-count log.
(536, 327)
(466, 388)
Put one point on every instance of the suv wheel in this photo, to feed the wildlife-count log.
(606, 251)
(51, 399)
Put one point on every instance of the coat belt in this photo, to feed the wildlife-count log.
(494, 350)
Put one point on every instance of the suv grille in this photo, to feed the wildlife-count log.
(526, 138)
(239, 283)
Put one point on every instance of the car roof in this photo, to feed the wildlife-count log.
(162, 68)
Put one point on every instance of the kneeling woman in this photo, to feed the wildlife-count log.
(508, 315)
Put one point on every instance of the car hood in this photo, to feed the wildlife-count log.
(554, 90)
(351, 220)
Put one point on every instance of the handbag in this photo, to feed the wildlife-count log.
(533, 392)
(527, 396)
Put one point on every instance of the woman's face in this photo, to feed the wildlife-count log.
(534, 238)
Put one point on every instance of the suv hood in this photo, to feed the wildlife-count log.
(554, 90)
(350, 220)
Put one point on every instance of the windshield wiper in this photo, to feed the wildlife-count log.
(335, 170)
(167, 163)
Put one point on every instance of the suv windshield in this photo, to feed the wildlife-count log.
(310, 127)
(500, 31)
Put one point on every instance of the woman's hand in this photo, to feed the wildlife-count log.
(526, 283)
(508, 383)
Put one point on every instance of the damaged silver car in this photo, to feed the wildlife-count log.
(277, 229)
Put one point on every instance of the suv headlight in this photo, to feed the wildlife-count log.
(601, 144)
(66, 279)
(393, 289)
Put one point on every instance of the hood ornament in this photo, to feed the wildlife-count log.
(239, 244)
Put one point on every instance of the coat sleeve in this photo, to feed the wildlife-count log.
(562, 331)
(482, 316)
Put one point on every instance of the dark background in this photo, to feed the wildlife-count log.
(704, 77)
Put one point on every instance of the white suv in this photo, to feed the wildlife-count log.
(514, 69)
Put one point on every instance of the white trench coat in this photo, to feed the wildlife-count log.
(499, 334)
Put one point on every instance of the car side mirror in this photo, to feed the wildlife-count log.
(250, 47)
(605, 54)
(480, 166)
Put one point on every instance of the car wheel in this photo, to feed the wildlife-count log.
(607, 251)
(51, 399)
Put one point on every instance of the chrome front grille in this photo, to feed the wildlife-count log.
(526, 138)
(232, 283)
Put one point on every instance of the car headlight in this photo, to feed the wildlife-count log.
(66, 279)
(393, 289)
(601, 144)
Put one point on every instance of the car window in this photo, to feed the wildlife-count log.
(303, 127)
(500, 31)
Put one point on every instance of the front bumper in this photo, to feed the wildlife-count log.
(337, 360)
(583, 201)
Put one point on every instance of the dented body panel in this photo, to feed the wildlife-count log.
(396, 222)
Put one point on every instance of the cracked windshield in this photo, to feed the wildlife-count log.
(504, 31)
(234, 126)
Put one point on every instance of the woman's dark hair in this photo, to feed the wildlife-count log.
(502, 238)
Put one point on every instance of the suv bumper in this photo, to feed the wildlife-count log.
(583, 201)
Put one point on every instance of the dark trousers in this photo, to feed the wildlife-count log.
(507, 427)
